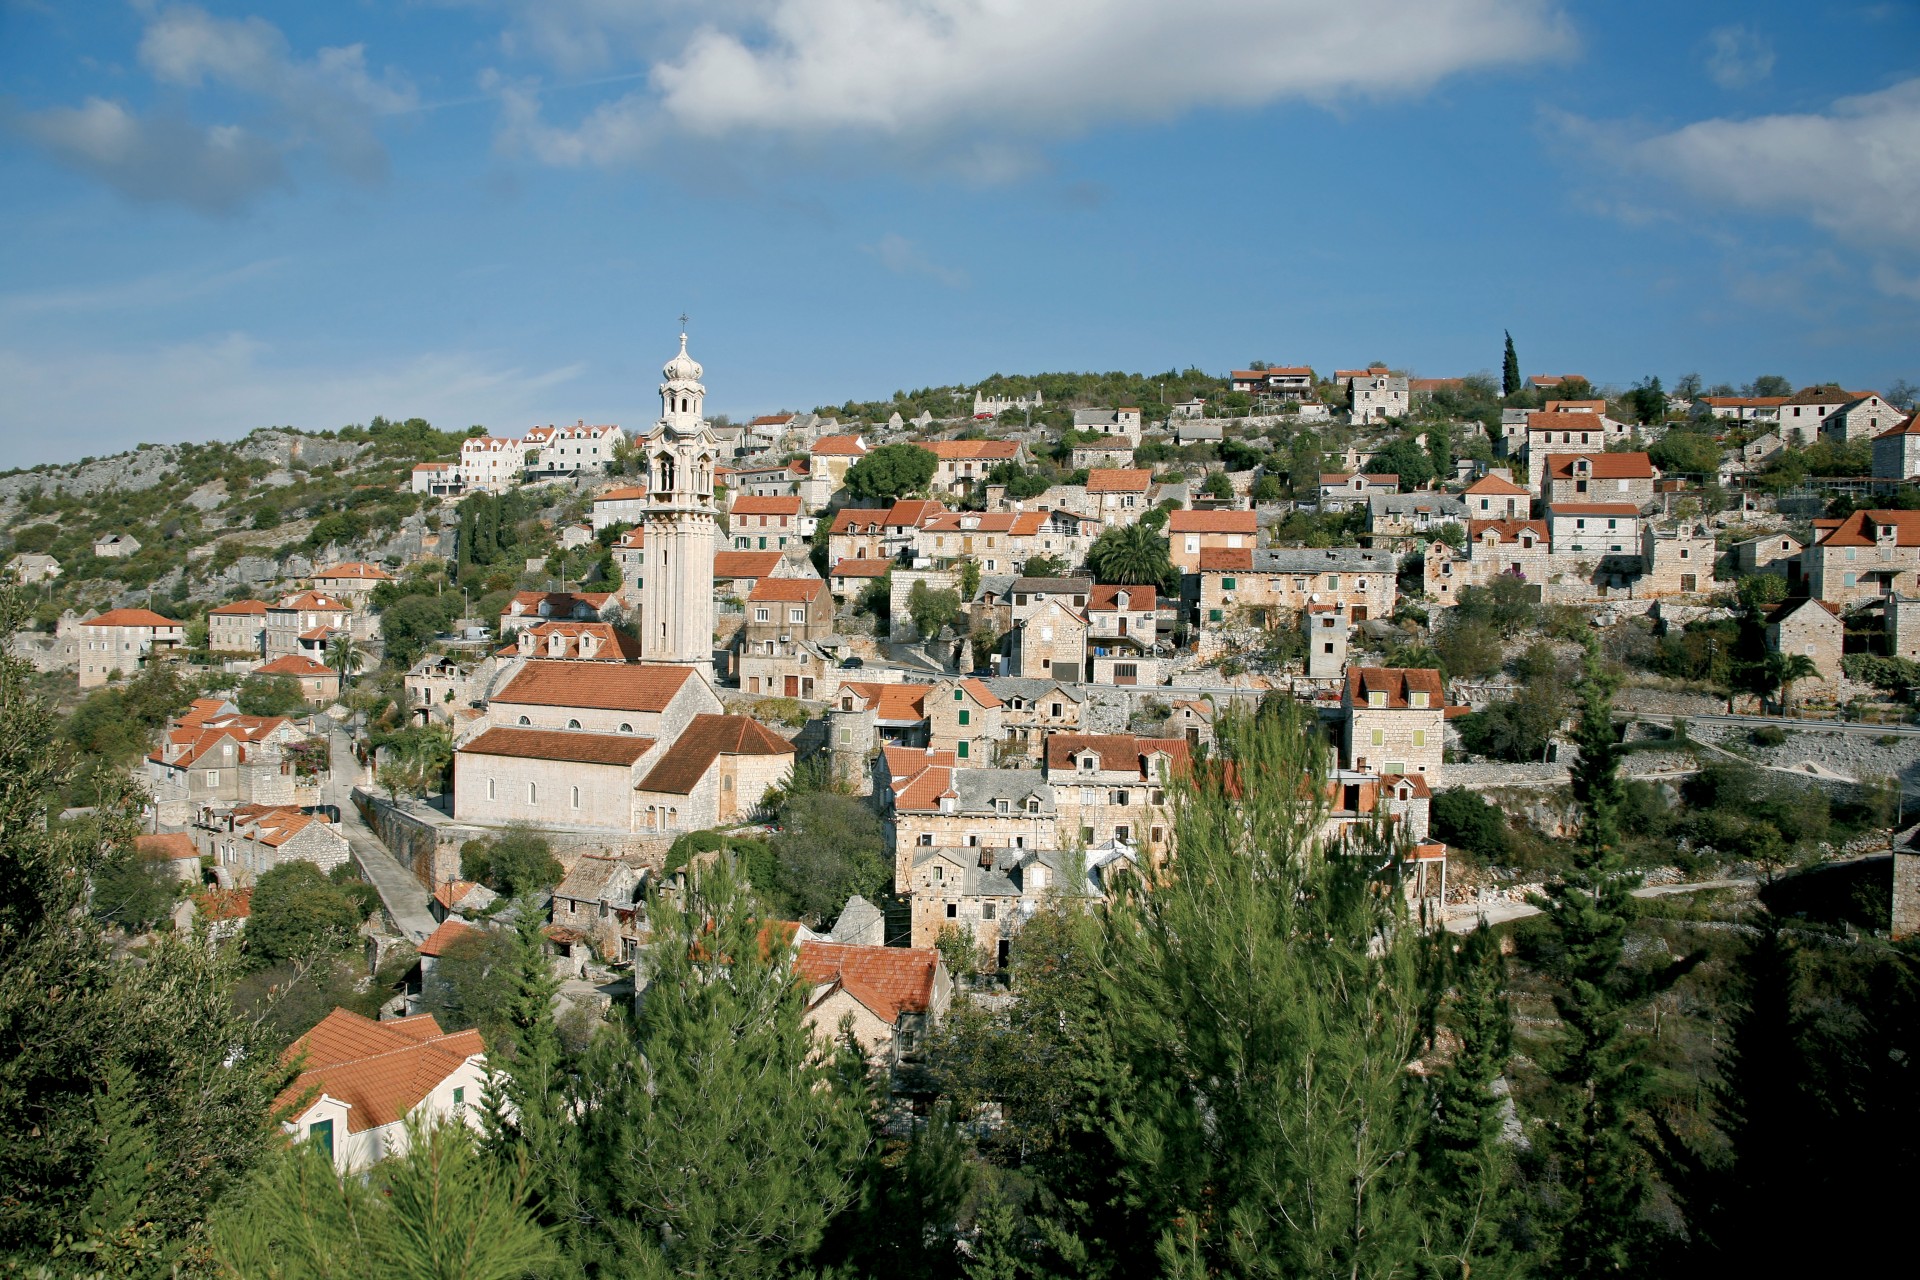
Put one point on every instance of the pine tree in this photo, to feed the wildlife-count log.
(1510, 380)
(1467, 1167)
(717, 1139)
(1588, 910)
(1265, 1004)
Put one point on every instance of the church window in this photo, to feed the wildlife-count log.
(525, 720)
(489, 788)
(576, 797)
(573, 724)
(533, 792)
(625, 727)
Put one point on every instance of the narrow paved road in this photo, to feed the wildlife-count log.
(405, 897)
(1466, 917)
(1777, 722)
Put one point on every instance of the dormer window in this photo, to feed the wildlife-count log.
(1376, 699)
(1418, 698)
(1086, 764)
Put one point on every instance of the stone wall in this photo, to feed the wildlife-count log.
(1906, 894)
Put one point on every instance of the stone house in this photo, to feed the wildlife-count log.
(880, 714)
(950, 807)
(353, 581)
(1119, 497)
(1030, 710)
(1191, 719)
(304, 622)
(1327, 627)
(1341, 491)
(1896, 451)
(174, 850)
(999, 541)
(1814, 629)
(368, 1079)
(319, 683)
(736, 572)
(119, 642)
(962, 464)
(1551, 434)
(1497, 498)
(1122, 633)
(779, 645)
(251, 839)
(1862, 418)
(437, 685)
(240, 627)
(716, 773)
(221, 758)
(1903, 627)
(31, 567)
(875, 533)
(1261, 589)
(1866, 555)
(890, 997)
(984, 893)
(1104, 453)
(1112, 786)
(964, 717)
(1675, 562)
(849, 578)
(1400, 517)
(1769, 553)
(624, 505)
(1191, 532)
(831, 457)
(573, 641)
(1377, 395)
(1051, 642)
(767, 524)
(115, 546)
(1119, 424)
(530, 608)
(1585, 533)
(1600, 477)
(1393, 721)
(601, 903)
(1521, 548)
(1740, 408)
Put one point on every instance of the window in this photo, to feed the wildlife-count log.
(1086, 764)
(963, 750)
(1419, 737)
(1333, 582)
(796, 615)
(213, 777)
(958, 695)
(1001, 805)
(1228, 584)
(625, 727)
(459, 1095)
(489, 788)
(524, 720)
(965, 717)
(576, 797)
(1376, 699)
(533, 792)
(986, 910)
(1033, 805)
(1159, 834)
(1379, 737)
(1213, 615)
(1417, 698)
(320, 1132)
(953, 910)
(762, 615)
(926, 841)
(573, 724)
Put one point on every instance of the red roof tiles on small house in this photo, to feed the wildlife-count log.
(449, 932)
(890, 702)
(294, 664)
(744, 564)
(1118, 752)
(1105, 598)
(859, 568)
(1397, 684)
(1497, 486)
(172, 846)
(240, 609)
(1507, 530)
(839, 447)
(888, 981)
(1213, 522)
(131, 618)
(381, 1070)
(1861, 529)
(787, 590)
(1603, 466)
(1911, 427)
(973, 450)
(354, 569)
(1118, 480)
(747, 504)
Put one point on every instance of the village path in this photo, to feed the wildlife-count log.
(400, 891)
(1466, 917)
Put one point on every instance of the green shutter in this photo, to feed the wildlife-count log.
(1213, 615)
(1227, 584)
(963, 719)
(961, 752)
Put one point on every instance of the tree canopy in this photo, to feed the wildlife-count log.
(891, 471)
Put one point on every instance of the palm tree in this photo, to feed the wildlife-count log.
(346, 654)
(1130, 555)
(1780, 670)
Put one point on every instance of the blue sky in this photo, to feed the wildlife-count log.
(219, 216)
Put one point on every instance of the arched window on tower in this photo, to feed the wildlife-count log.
(663, 480)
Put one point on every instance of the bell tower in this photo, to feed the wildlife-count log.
(676, 609)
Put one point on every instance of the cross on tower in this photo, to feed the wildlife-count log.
(683, 319)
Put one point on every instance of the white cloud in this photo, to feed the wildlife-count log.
(946, 77)
(329, 101)
(224, 387)
(1738, 56)
(903, 257)
(1853, 170)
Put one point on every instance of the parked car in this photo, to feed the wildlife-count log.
(852, 664)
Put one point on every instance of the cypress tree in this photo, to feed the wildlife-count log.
(1265, 1004)
(1588, 910)
(1510, 380)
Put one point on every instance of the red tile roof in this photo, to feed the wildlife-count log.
(526, 604)
(571, 745)
(744, 564)
(1576, 406)
(131, 618)
(294, 664)
(923, 793)
(1213, 522)
(1105, 598)
(1226, 559)
(603, 686)
(1857, 530)
(354, 569)
(890, 701)
(314, 600)
(889, 981)
(452, 891)
(614, 645)
(631, 493)
(838, 446)
(224, 904)
(1118, 480)
(1606, 466)
(978, 690)
(1396, 683)
(449, 932)
(788, 590)
(381, 1070)
(1118, 752)
(747, 504)
(171, 846)
(1508, 530)
(906, 763)
(1544, 421)
(972, 450)
(1911, 427)
(1496, 485)
(240, 609)
(705, 739)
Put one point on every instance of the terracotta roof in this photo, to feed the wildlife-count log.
(1576, 406)
(1396, 683)
(788, 590)
(171, 846)
(240, 609)
(353, 569)
(980, 693)
(1375, 480)
(889, 981)
(381, 1070)
(1497, 484)
(858, 520)
(772, 420)
(1828, 394)
(1745, 402)
(603, 686)
(1014, 522)
(633, 538)
(1118, 480)
(747, 504)
(1857, 530)
(1606, 466)
(705, 739)
(838, 446)
(1613, 509)
(1226, 559)
(1118, 752)
(1434, 384)
(972, 450)
(224, 904)
(452, 891)
(859, 568)
(1911, 427)
(131, 618)
(449, 932)
(890, 701)
(1508, 530)
(744, 564)
(1213, 522)
(630, 493)
(614, 645)
(1417, 781)
(1543, 421)
(314, 600)
(526, 604)
(926, 788)
(294, 664)
(906, 763)
(571, 745)
(1105, 598)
